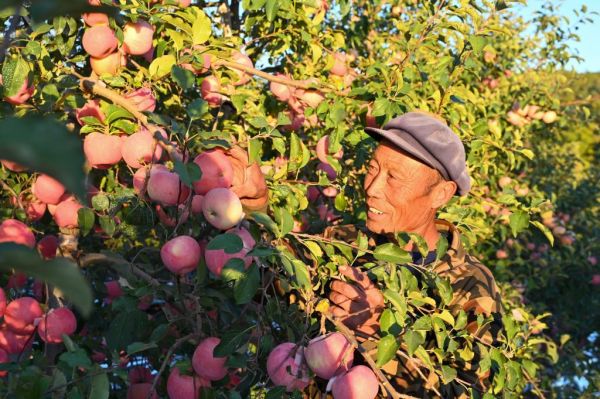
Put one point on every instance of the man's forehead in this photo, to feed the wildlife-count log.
(393, 157)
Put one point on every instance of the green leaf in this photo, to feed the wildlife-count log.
(413, 339)
(448, 374)
(478, 43)
(245, 288)
(197, 109)
(201, 29)
(85, 220)
(137, 347)
(126, 328)
(44, 145)
(386, 349)
(77, 358)
(231, 340)
(381, 106)
(100, 387)
(545, 230)
(266, 221)
(340, 202)
(59, 272)
(108, 225)
(14, 72)
(272, 7)
(390, 252)
(444, 289)
(161, 66)
(188, 172)
(338, 113)
(519, 221)
(423, 323)
(229, 242)
(100, 202)
(296, 269)
(398, 301)
(184, 78)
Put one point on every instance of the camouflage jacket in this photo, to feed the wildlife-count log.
(474, 291)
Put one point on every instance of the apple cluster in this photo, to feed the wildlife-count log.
(328, 357)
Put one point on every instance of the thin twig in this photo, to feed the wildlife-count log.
(163, 366)
(254, 71)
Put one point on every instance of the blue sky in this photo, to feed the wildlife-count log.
(587, 47)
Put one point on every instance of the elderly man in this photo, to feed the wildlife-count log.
(417, 167)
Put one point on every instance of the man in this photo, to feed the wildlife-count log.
(417, 167)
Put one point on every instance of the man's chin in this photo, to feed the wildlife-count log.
(375, 227)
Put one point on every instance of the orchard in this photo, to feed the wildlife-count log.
(168, 168)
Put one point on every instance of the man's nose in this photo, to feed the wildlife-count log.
(374, 188)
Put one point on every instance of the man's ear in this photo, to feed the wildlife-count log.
(443, 193)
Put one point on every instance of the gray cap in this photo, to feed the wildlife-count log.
(430, 141)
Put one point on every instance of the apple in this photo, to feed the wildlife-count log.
(12, 166)
(113, 290)
(358, 383)
(181, 254)
(47, 189)
(142, 99)
(206, 364)
(501, 254)
(102, 150)
(312, 98)
(21, 313)
(328, 169)
(197, 204)
(210, 88)
(139, 177)
(12, 230)
(56, 323)
(339, 67)
(140, 147)
(166, 188)
(549, 117)
(48, 246)
(139, 375)
(285, 366)
(217, 171)
(99, 41)
(95, 18)
(2, 302)
(137, 37)
(66, 213)
(592, 260)
(216, 259)
(207, 60)
(328, 355)
(141, 391)
(242, 59)
(181, 386)
(323, 150)
(222, 208)
(595, 279)
(504, 181)
(22, 95)
(281, 91)
(90, 108)
(108, 65)
(11, 342)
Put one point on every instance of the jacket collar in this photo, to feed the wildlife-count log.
(455, 254)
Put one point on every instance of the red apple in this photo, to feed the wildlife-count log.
(2, 302)
(222, 208)
(217, 171)
(137, 37)
(181, 254)
(242, 59)
(358, 383)
(95, 18)
(142, 99)
(102, 150)
(285, 366)
(206, 364)
(141, 147)
(167, 188)
(56, 323)
(323, 150)
(12, 166)
(141, 391)
(282, 91)
(48, 246)
(99, 41)
(47, 189)
(22, 95)
(339, 67)
(13, 343)
(66, 213)
(216, 259)
(328, 355)
(181, 386)
(595, 279)
(108, 65)
(549, 117)
(21, 313)
(139, 177)
(12, 230)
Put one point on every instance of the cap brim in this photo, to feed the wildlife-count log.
(408, 144)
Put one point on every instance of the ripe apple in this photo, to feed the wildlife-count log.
(56, 323)
(141, 391)
(22, 95)
(210, 88)
(504, 181)
(197, 204)
(312, 98)
(12, 230)
(180, 386)
(11, 342)
(66, 214)
(102, 150)
(139, 177)
(47, 189)
(48, 246)
(282, 91)
(286, 367)
(207, 60)
(358, 383)
(113, 290)
(140, 147)
(137, 37)
(595, 279)
(339, 67)
(95, 18)
(2, 302)
(21, 313)
(142, 99)
(216, 259)
(206, 364)
(328, 169)
(328, 355)
(90, 108)
(99, 41)
(217, 171)
(139, 375)
(242, 59)
(323, 150)
(108, 65)
(12, 166)
(167, 188)
(592, 260)
(181, 254)
(222, 208)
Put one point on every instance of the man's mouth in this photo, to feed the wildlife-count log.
(375, 211)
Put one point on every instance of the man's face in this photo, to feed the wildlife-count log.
(398, 191)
